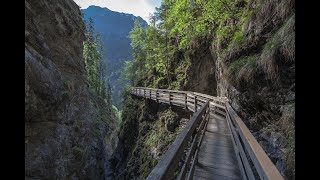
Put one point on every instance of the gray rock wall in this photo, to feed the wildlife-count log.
(65, 125)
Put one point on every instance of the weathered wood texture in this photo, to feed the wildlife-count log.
(217, 159)
(247, 144)
(222, 147)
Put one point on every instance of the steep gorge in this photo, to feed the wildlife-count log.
(68, 129)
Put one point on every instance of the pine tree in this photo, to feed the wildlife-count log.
(95, 63)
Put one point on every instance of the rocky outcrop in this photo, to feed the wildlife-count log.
(65, 125)
(202, 71)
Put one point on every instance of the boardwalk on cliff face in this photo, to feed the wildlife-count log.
(216, 157)
(215, 144)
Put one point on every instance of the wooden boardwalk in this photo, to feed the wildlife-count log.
(215, 144)
(216, 157)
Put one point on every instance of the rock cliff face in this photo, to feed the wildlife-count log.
(67, 129)
(262, 89)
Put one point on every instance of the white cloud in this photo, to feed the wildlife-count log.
(140, 8)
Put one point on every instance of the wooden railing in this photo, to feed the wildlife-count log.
(190, 100)
(253, 161)
(191, 134)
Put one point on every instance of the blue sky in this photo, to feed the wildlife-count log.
(140, 8)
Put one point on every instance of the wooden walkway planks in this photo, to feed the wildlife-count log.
(216, 158)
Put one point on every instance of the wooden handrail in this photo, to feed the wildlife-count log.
(191, 96)
(169, 161)
(250, 155)
(261, 162)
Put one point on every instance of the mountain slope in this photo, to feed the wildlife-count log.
(114, 28)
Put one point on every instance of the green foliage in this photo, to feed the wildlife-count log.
(243, 69)
(156, 142)
(280, 46)
(238, 38)
(236, 65)
(287, 125)
(95, 66)
(151, 64)
(117, 114)
(175, 25)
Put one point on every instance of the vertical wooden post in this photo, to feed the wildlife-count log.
(150, 93)
(144, 93)
(195, 103)
(209, 110)
(185, 101)
(157, 96)
(169, 98)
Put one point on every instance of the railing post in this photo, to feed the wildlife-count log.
(157, 96)
(169, 98)
(144, 92)
(195, 103)
(185, 101)
(150, 93)
(209, 110)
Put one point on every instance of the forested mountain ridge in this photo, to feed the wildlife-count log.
(113, 28)
(241, 49)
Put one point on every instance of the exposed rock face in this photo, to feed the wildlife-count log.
(63, 137)
(202, 72)
(267, 103)
(266, 100)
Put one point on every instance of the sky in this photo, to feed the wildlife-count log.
(140, 8)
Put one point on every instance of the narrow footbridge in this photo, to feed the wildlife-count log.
(215, 144)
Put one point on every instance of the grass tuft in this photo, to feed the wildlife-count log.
(243, 69)
(281, 47)
(287, 124)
